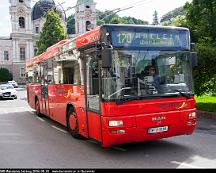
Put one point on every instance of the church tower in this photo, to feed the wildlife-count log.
(22, 40)
(85, 16)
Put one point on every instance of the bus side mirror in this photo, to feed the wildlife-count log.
(106, 56)
(194, 59)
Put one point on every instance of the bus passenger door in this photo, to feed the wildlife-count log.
(45, 100)
(92, 96)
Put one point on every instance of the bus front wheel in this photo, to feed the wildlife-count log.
(72, 124)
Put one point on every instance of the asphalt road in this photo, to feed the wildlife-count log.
(27, 141)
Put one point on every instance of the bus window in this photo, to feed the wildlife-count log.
(92, 82)
(71, 73)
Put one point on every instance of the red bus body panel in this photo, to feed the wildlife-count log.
(136, 115)
(138, 118)
(59, 96)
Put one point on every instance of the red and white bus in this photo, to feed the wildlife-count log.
(99, 85)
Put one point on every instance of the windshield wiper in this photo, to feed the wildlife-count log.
(184, 94)
(123, 99)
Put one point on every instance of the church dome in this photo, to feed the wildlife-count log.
(84, 1)
(43, 6)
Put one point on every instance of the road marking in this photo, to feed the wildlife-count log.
(41, 119)
(59, 129)
(6, 124)
(31, 112)
(186, 165)
(118, 148)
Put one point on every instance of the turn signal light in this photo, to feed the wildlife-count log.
(117, 131)
(115, 123)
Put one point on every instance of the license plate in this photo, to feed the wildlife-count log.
(158, 130)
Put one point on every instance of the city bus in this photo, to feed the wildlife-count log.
(98, 84)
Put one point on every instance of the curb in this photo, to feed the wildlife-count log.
(205, 114)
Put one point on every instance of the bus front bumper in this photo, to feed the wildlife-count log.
(140, 128)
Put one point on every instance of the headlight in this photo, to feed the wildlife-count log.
(116, 123)
(192, 115)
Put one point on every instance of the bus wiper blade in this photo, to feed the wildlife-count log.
(123, 99)
(183, 94)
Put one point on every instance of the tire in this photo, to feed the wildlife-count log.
(72, 124)
(37, 108)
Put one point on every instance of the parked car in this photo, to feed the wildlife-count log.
(15, 85)
(8, 91)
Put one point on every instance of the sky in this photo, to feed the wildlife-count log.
(142, 9)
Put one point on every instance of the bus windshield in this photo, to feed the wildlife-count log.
(142, 74)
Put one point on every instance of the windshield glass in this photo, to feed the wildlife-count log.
(4, 87)
(141, 74)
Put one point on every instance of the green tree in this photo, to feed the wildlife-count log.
(201, 19)
(52, 32)
(71, 25)
(172, 15)
(132, 20)
(155, 18)
(179, 21)
(5, 75)
(118, 20)
(205, 73)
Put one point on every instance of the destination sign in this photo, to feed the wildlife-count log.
(148, 38)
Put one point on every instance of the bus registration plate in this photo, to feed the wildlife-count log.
(158, 129)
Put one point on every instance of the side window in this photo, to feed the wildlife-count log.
(57, 72)
(44, 72)
(50, 71)
(92, 82)
(66, 72)
(71, 73)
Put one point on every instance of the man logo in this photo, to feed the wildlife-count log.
(158, 120)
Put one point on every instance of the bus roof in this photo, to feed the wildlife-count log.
(50, 52)
(90, 37)
(144, 27)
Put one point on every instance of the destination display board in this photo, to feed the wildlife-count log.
(151, 38)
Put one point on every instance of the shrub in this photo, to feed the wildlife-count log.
(5, 75)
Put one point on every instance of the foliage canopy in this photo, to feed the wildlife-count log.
(201, 19)
(52, 32)
(5, 75)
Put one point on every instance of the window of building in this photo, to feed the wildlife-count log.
(35, 51)
(20, 1)
(6, 55)
(37, 29)
(21, 22)
(87, 6)
(88, 25)
(22, 72)
(22, 54)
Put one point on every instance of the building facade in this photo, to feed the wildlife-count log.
(27, 23)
